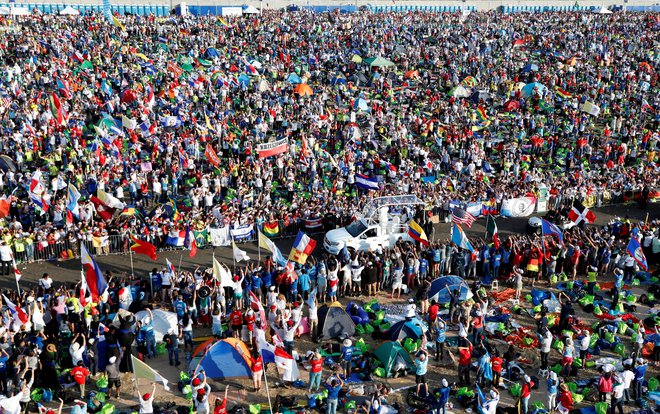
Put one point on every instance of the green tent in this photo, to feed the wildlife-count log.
(391, 354)
(378, 61)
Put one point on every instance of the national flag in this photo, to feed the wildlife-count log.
(313, 223)
(183, 160)
(170, 121)
(83, 290)
(128, 123)
(271, 229)
(480, 114)
(149, 98)
(580, 213)
(256, 305)
(190, 243)
(460, 216)
(417, 233)
(17, 273)
(17, 311)
(270, 149)
(146, 129)
(635, 250)
(489, 208)
(72, 201)
(175, 211)
(222, 274)
(549, 229)
(144, 247)
(102, 210)
(223, 22)
(459, 238)
(492, 233)
(144, 371)
(266, 243)
(129, 212)
(388, 165)
(211, 156)
(170, 267)
(37, 191)
(562, 93)
(93, 276)
(282, 360)
(5, 205)
(56, 109)
(239, 255)
(174, 69)
(63, 87)
(367, 183)
(302, 247)
(109, 200)
(176, 238)
(118, 23)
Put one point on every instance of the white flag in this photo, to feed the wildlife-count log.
(144, 371)
(239, 254)
(222, 274)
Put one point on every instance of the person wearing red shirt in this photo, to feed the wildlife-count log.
(565, 399)
(433, 312)
(464, 362)
(316, 362)
(80, 374)
(249, 322)
(257, 369)
(236, 319)
(221, 406)
(496, 362)
(526, 393)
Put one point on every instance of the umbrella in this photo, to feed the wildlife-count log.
(530, 67)
(303, 89)
(356, 59)
(338, 80)
(7, 164)
(361, 105)
(459, 92)
(263, 85)
(211, 53)
(528, 89)
(511, 105)
(359, 78)
(294, 79)
(440, 293)
(379, 62)
(478, 96)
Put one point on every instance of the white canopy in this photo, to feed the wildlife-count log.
(604, 10)
(69, 11)
(250, 10)
(16, 11)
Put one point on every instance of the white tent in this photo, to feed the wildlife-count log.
(250, 10)
(603, 10)
(163, 321)
(16, 11)
(69, 11)
(4, 10)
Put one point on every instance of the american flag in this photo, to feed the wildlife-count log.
(5, 100)
(460, 216)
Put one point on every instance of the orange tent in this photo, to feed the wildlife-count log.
(411, 74)
(303, 89)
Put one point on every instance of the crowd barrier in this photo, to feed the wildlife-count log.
(417, 8)
(135, 9)
(541, 9)
(69, 248)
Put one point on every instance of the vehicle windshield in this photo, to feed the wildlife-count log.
(356, 228)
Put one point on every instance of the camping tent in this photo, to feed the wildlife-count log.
(334, 322)
(459, 92)
(603, 10)
(69, 11)
(403, 329)
(163, 321)
(250, 10)
(392, 356)
(440, 294)
(379, 62)
(228, 358)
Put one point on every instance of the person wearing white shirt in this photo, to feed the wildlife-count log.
(46, 282)
(6, 256)
(12, 405)
(584, 346)
(147, 402)
(627, 376)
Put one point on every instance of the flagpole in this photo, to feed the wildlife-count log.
(486, 235)
(130, 252)
(180, 260)
(270, 405)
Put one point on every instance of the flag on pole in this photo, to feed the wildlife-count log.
(211, 156)
(5, 205)
(492, 233)
(417, 233)
(72, 202)
(19, 314)
(549, 229)
(282, 360)
(239, 254)
(170, 267)
(460, 216)
(143, 247)
(580, 213)
(95, 280)
(268, 244)
(190, 242)
(302, 247)
(17, 273)
(256, 305)
(459, 238)
(635, 250)
(144, 371)
(222, 274)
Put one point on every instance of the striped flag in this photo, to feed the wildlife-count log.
(562, 93)
(460, 216)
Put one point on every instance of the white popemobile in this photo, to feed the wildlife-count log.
(383, 221)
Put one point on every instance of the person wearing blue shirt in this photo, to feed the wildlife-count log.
(346, 357)
(638, 381)
(156, 281)
(256, 284)
(553, 387)
(333, 385)
(423, 268)
(293, 290)
(180, 307)
(267, 279)
(421, 366)
(496, 261)
(443, 397)
(305, 283)
(4, 378)
(439, 330)
(147, 329)
(618, 285)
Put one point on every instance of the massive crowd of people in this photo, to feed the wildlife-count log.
(149, 126)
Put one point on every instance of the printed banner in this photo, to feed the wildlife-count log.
(270, 149)
(518, 207)
(220, 237)
(242, 232)
(314, 223)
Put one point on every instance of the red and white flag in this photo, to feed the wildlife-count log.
(283, 361)
(580, 213)
(19, 314)
(256, 305)
(17, 272)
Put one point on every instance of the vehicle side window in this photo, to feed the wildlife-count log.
(370, 233)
